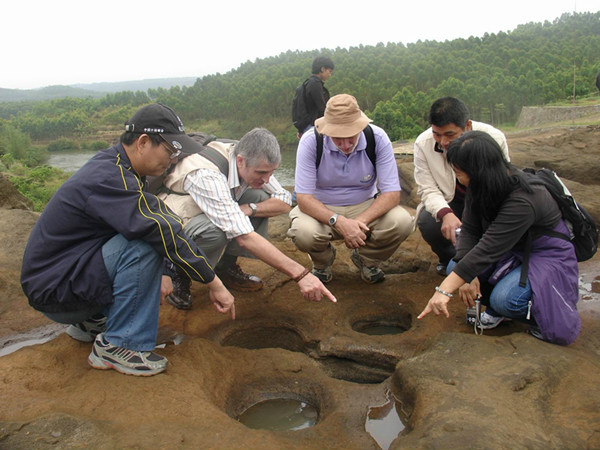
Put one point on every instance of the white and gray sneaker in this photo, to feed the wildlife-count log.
(107, 356)
(87, 330)
(487, 321)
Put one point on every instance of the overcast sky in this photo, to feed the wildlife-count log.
(49, 42)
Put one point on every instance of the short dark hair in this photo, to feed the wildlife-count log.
(447, 110)
(322, 61)
(128, 138)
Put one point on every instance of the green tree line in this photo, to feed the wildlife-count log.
(395, 83)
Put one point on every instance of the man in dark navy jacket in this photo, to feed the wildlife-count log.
(100, 255)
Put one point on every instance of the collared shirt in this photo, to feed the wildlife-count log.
(436, 181)
(346, 180)
(217, 197)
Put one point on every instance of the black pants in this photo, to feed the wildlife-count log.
(432, 232)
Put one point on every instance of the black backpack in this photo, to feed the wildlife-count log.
(300, 115)
(370, 146)
(584, 232)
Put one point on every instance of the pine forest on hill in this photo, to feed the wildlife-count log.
(395, 83)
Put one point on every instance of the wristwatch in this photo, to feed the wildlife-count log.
(333, 220)
(254, 208)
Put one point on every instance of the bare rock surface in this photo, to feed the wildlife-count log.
(504, 390)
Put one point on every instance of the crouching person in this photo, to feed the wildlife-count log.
(100, 255)
(513, 251)
(225, 197)
(348, 189)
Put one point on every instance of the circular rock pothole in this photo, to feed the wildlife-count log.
(278, 403)
(382, 324)
(280, 414)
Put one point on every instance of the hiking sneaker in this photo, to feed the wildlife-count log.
(107, 356)
(325, 274)
(87, 330)
(369, 275)
(233, 277)
(487, 321)
(181, 297)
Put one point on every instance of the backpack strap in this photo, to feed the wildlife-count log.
(216, 158)
(319, 137)
(369, 135)
(370, 145)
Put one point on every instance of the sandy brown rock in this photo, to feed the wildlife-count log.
(502, 390)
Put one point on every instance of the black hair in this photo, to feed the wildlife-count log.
(448, 110)
(322, 61)
(128, 138)
(491, 177)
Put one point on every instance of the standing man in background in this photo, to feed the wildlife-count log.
(312, 95)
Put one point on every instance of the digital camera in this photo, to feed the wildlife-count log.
(474, 313)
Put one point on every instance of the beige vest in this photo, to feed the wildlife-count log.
(182, 203)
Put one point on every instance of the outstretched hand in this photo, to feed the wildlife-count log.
(438, 304)
(221, 297)
(313, 289)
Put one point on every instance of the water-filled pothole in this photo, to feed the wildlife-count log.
(386, 422)
(280, 414)
(379, 326)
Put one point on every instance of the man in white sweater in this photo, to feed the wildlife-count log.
(442, 196)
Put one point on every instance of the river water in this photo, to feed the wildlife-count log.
(71, 161)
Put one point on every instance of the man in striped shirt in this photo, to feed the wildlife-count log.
(227, 214)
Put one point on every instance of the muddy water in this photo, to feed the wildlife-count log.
(385, 422)
(71, 161)
(280, 414)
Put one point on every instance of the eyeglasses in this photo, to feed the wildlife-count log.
(172, 152)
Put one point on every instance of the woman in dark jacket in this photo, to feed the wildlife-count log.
(502, 210)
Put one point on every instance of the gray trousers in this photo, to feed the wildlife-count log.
(214, 242)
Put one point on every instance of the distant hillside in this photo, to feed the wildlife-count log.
(47, 93)
(138, 85)
(92, 90)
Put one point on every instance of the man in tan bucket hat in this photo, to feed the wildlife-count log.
(348, 189)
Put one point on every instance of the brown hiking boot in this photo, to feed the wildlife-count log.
(233, 277)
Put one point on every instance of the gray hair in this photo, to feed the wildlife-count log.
(258, 145)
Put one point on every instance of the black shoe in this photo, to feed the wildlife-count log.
(233, 277)
(181, 297)
(441, 269)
